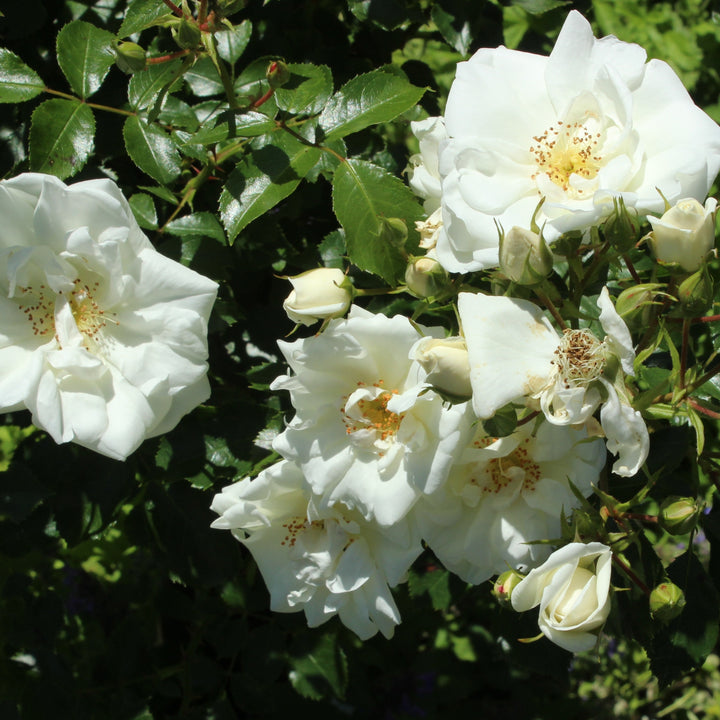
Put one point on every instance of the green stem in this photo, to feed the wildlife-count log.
(628, 571)
(548, 303)
(96, 106)
(166, 58)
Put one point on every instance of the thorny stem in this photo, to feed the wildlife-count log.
(628, 571)
(176, 10)
(551, 307)
(167, 58)
(631, 269)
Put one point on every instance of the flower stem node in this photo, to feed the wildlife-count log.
(524, 256)
(426, 278)
(622, 228)
(678, 515)
(504, 585)
(130, 57)
(318, 294)
(667, 601)
(277, 74)
(696, 293)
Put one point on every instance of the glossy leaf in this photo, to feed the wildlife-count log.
(143, 207)
(318, 665)
(307, 90)
(231, 44)
(366, 100)
(365, 198)
(230, 124)
(141, 14)
(145, 86)
(85, 56)
(18, 82)
(265, 177)
(203, 224)
(203, 78)
(62, 135)
(151, 149)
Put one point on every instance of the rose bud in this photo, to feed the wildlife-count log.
(318, 295)
(446, 363)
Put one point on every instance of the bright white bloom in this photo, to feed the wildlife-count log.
(572, 589)
(318, 294)
(504, 493)
(328, 563)
(103, 339)
(685, 234)
(368, 432)
(517, 356)
(590, 123)
(424, 174)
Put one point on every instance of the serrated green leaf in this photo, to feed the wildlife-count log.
(145, 86)
(364, 197)
(455, 27)
(161, 192)
(317, 667)
(332, 249)
(252, 83)
(151, 149)
(307, 90)
(141, 14)
(179, 114)
(388, 14)
(143, 208)
(368, 99)
(231, 44)
(230, 124)
(203, 78)
(200, 224)
(62, 134)
(265, 176)
(85, 56)
(18, 82)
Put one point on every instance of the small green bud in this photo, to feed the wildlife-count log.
(678, 515)
(632, 302)
(524, 256)
(425, 277)
(130, 57)
(622, 228)
(187, 34)
(696, 293)
(277, 74)
(505, 584)
(667, 601)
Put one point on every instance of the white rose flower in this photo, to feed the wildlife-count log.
(590, 123)
(572, 588)
(318, 294)
(368, 433)
(505, 493)
(329, 563)
(423, 172)
(104, 339)
(516, 356)
(685, 234)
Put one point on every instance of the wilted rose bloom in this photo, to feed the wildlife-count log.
(104, 339)
(329, 563)
(591, 122)
(368, 433)
(685, 234)
(503, 495)
(318, 294)
(572, 588)
(516, 355)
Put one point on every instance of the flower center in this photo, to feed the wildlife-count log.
(502, 472)
(367, 410)
(297, 525)
(39, 308)
(564, 150)
(580, 357)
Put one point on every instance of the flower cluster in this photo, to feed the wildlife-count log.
(484, 438)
